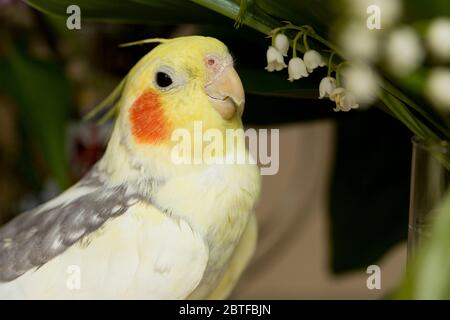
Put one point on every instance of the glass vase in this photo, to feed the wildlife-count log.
(429, 182)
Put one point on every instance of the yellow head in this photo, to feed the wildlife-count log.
(181, 81)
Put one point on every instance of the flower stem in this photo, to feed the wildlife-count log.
(312, 34)
(330, 61)
(294, 44)
(338, 74)
(305, 40)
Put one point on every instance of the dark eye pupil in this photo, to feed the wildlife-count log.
(163, 79)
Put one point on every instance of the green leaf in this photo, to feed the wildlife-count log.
(129, 11)
(42, 94)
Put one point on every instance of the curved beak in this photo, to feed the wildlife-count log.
(226, 93)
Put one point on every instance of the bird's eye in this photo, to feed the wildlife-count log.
(163, 80)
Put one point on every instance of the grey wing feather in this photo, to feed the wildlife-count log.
(35, 237)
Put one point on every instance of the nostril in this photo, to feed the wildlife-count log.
(211, 61)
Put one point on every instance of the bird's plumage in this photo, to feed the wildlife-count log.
(37, 236)
(138, 225)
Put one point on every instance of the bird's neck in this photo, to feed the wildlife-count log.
(122, 166)
(142, 166)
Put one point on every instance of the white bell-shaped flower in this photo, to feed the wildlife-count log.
(297, 69)
(282, 43)
(404, 51)
(336, 94)
(326, 87)
(361, 80)
(438, 38)
(358, 42)
(437, 88)
(345, 100)
(275, 60)
(313, 59)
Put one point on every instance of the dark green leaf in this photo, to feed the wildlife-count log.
(41, 92)
(142, 11)
(317, 13)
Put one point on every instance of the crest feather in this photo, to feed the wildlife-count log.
(150, 40)
(111, 102)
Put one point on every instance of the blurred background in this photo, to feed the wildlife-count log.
(338, 204)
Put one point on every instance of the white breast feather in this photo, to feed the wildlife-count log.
(140, 255)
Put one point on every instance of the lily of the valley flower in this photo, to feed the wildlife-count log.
(404, 51)
(437, 88)
(438, 38)
(313, 59)
(362, 81)
(345, 100)
(336, 93)
(275, 60)
(297, 69)
(326, 87)
(282, 44)
(358, 42)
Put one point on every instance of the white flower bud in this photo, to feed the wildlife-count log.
(404, 51)
(362, 81)
(438, 38)
(358, 42)
(326, 87)
(437, 88)
(282, 43)
(297, 69)
(313, 59)
(275, 61)
(345, 100)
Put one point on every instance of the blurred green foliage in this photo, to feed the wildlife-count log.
(42, 93)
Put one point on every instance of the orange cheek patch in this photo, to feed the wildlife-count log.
(148, 123)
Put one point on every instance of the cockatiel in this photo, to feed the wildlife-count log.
(138, 225)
